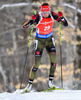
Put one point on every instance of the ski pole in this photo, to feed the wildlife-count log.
(61, 52)
(26, 56)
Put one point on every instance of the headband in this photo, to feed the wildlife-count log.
(45, 8)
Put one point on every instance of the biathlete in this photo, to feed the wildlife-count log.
(44, 39)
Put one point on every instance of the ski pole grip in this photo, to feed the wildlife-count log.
(35, 12)
(59, 9)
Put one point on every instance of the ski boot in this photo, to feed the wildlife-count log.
(51, 84)
(27, 89)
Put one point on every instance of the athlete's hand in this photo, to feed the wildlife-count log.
(60, 14)
(33, 17)
(25, 25)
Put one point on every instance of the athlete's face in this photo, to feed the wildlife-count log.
(45, 13)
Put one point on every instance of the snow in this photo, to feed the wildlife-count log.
(73, 26)
(72, 7)
(16, 5)
(55, 95)
(25, 4)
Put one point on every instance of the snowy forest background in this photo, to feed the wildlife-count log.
(14, 41)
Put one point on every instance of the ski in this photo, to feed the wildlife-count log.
(20, 91)
(52, 88)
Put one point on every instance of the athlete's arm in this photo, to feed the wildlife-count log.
(28, 23)
(34, 19)
(60, 18)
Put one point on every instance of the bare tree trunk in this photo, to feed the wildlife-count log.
(75, 38)
(16, 58)
(4, 76)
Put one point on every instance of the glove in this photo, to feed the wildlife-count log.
(34, 16)
(25, 24)
(60, 14)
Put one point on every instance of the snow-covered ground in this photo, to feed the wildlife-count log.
(55, 95)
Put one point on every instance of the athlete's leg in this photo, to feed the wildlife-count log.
(37, 58)
(52, 55)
